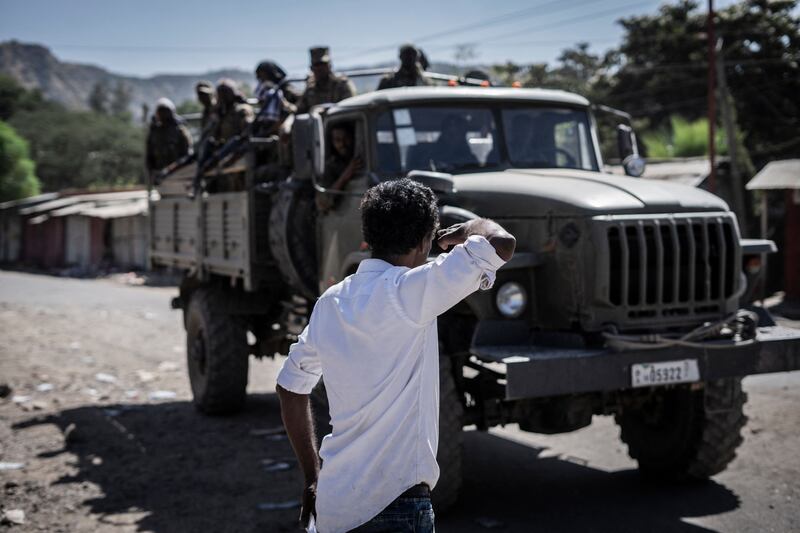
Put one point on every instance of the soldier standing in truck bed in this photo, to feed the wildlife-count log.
(323, 86)
(168, 139)
(409, 74)
(233, 111)
(205, 95)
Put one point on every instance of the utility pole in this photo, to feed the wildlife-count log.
(729, 123)
(712, 110)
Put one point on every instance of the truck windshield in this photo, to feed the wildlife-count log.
(464, 139)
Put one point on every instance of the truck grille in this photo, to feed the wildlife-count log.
(664, 267)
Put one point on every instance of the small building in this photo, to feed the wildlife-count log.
(11, 225)
(89, 231)
(784, 176)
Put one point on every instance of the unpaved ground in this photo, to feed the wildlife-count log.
(108, 449)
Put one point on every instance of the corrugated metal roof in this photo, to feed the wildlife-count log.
(78, 198)
(29, 200)
(117, 210)
(777, 175)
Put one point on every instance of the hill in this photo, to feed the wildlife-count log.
(35, 67)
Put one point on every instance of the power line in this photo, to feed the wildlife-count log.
(514, 16)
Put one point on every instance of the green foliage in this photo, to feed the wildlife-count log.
(682, 139)
(17, 171)
(189, 106)
(99, 98)
(121, 101)
(661, 68)
(15, 98)
(82, 149)
(75, 149)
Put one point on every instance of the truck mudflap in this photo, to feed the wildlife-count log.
(535, 371)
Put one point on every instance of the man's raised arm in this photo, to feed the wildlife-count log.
(481, 247)
(502, 241)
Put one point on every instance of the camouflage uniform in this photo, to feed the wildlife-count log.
(233, 122)
(208, 110)
(166, 141)
(335, 89)
(404, 78)
(233, 118)
(411, 72)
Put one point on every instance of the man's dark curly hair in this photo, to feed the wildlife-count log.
(397, 215)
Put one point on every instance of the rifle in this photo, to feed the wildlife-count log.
(233, 148)
(201, 147)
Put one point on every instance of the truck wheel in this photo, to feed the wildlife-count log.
(292, 238)
(217, 355)
(451, 439)
(681, 435)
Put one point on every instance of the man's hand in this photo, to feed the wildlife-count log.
(299, 424)
(309, 505)
(503, 242)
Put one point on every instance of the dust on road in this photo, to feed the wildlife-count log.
(109, 440)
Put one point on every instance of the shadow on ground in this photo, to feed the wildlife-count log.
(185, 472)
(182, 471)
(508, 487)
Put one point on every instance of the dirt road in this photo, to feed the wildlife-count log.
(101, 421)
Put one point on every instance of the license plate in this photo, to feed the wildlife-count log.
(649, 374)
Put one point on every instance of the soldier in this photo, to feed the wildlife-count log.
(323, 86)
(205, 95)
(168, 139)
(410, 72)
(233, 111)
(272, 96)
(270, 74)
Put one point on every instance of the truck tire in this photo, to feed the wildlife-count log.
(217, 355)
(684, 435)
(292, 237)
(451, 439)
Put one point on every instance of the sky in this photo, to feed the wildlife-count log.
(149, 37)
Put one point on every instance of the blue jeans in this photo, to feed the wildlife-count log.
(404, 515)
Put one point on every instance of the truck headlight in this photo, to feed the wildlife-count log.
(511, 299)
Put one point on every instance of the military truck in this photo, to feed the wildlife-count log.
(623, 297)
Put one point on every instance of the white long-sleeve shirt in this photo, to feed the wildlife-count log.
(373, 336)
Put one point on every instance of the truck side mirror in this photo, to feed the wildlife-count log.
(318, 144)
(308, 146)
(301, 147)
(632, 162)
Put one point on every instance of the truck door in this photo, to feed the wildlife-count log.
(339, 192)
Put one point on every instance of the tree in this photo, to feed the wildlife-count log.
(99, 97)
(82, 149)
(14, 97)
(17, 177)
(507, 73)
(661, 69)
(121, 100)
(464, 53)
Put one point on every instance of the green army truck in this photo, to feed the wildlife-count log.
(623, 298)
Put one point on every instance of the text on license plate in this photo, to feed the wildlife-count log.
(649, 374)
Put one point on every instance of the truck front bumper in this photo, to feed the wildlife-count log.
(534, 371)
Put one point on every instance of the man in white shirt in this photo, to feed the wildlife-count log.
(373, 336)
